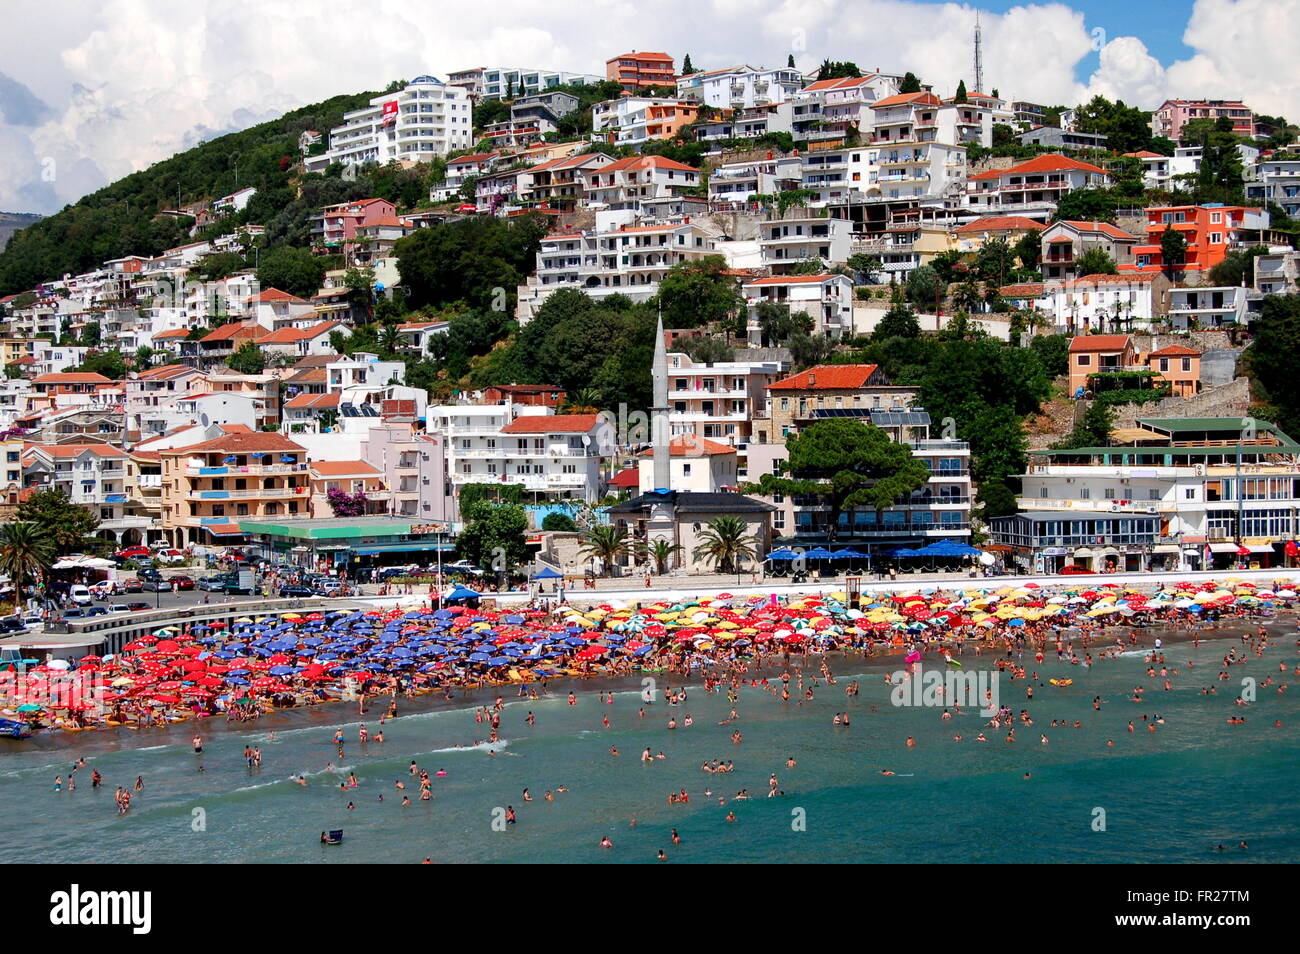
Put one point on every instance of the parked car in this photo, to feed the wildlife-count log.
(183, 582)
(148, 573)
(234, 588)
(214, 584)
(103, 589)
(133, 553)
(115, 608)
(133, 585)
(170, 556)
(1074, 569)
(388, 572)
(74, 613)
(160, 585)
(96, 611)
(136, 607)
(295, 589)
(329, 588)
(34, 619)
(12, 626)
(80, 595)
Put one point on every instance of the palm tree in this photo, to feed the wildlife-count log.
(726, 542)
(26, 552)
(661, 551)
(607, 543)
(583, 401)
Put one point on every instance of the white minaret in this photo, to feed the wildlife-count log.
(660, 434)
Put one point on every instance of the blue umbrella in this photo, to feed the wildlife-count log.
(546, 573)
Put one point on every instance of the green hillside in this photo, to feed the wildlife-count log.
(122, 218)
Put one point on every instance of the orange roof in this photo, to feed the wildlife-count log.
(76, 450)
(792, 280)
(920, 99)
(1128, 279)
(1022, 290)
(291, 335)
(233, 329)
(1170, 351)
(688, 446)
(475, 157)
(640, 162)
(843, 82)
(314, 400)
(1145, 154)
(342, 468)
(173, 333)
(166, 371)
(641, 56)
(240, 441)
(1099, 343)
(274, 294)
(994, 223)
(1103, 228)
(1052, 162)
(71, 377)
(827, 377)
(551, 424)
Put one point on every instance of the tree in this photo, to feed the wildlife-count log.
(27, 552)
(726, 543)
(294, 270)
(1093, 429)
(1085, 205)
(898, 322)
(698, 293)
(789, 61)
(1028, 249)
(217, 265)
(1237, 267)
(777, 323)
(661, 552)
(865, 266)
(967, 296)
(687, 68)
(606, 543)
(493, 535)
(344, 504)
(67, 523)
(809, 350)
(1173, 249)
(478, 261)
(556, 522)
(924, 289)
(910, 83)
(249, 359)
(1053, 353)
(1095, 261)
(961, 96)
(707, 349)
(1126, 128)
(846, 463)
(1269, 362)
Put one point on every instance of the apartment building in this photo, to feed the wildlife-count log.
(151, 397)
(826, 299)
(560, 183)
(1169, 118)
(831, 390)
(740, 87)
(506, 82)
(626, 183)
(748, 123)
(1205, 307)
(1276, 180)
(974, 235)
(1032, 188)
(207, 487)
(626, 260)
(784, 243)
(826, 109)
(636, 120)
(1209, 230)
(414, 471)
(1276, 272)
(68, 389)
(718, 401)
(352, 477)
(426, 118)
(337, 225)
(460, 170)
(1065, 242)
(634, 71)
(695, 465)
(736, 183)
(94, 476)
(1173, 494)
(924, 118)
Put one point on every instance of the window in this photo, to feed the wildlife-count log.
(1084, 360)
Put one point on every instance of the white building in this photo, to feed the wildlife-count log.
(625, 260)
(826, 299)
(784, 243)
(427, 118)
(740, 87)
(719, 400)
(1032, 188)
(362, 368)
(635, 120)
(460, 169)
(738, 182)
(496, 82)
(626, 183)
(1206, 307)
(1276, 272)
(1278, 181)
(695, 465)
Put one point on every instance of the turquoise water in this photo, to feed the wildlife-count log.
(1168, 796)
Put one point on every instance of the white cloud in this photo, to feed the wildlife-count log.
(128, 82)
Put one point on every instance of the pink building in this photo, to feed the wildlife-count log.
(338, 224)
(1168, 120)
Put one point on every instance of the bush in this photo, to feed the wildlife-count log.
(559, 523)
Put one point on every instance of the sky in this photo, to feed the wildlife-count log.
(91, 90)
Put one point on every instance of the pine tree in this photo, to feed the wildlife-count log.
(910, 83)
(790, 61)
(961, 93)
(687, 69)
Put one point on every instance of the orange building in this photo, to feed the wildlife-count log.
(1178, 366)
(1093, 354)
(1210, 231)
(635, 71)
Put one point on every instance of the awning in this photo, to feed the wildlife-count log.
(1165, 548)
(115, 498)
(1260, 547)
(1083, 552)
(1223, 548)
(223, 529)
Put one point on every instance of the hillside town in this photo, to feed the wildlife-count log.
(854, 322)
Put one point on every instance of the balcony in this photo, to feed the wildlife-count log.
(277, 492)
(252, 470)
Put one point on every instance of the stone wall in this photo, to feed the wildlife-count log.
(1228, 400)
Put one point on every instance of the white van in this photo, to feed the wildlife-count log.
(80, 595)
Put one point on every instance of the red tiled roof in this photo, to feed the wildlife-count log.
(1175, 350)
(314, 400)
(227, 529)
(1098, 343)
(551, 424)
(240, 441)
(843, 82)
(76, 450)
(343, 468)
(71, 377)
(626, 478)
(274, 294)
(920, 99)
(1022, 290)
(1051, 162)
(792, 280)
(232, 330)
(1103, 228)
(641, 162)
(994, 223)
(827, 377)
(173, 333)
(689, 446)
(166, 371)
(1129, 279)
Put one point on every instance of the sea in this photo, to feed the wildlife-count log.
(1172, 795)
